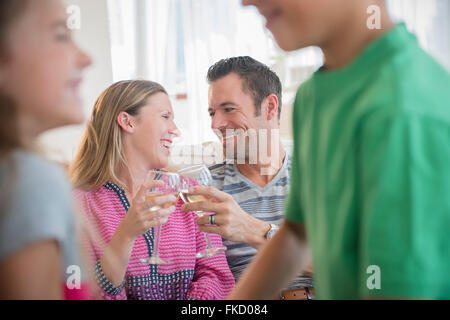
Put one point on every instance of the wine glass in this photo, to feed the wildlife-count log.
(203, 176)
(171, 186)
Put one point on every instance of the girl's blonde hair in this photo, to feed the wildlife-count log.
(100, 154)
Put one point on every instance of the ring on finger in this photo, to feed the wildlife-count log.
(212, 219)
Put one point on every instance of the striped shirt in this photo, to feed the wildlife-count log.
(180, 238)
(266, 204)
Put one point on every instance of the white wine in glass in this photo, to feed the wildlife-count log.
(191, 198)
(151, 198)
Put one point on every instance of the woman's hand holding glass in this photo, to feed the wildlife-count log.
(142, 215)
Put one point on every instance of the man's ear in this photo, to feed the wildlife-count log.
(271, 103)
(126, 122)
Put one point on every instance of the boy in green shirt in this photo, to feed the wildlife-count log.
(371, 166)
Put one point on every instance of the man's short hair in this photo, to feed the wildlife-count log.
(257, 78)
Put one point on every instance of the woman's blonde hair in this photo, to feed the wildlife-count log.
(100, 154)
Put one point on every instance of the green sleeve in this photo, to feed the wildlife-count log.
(293, 206)
(293, 210)
(404, 185)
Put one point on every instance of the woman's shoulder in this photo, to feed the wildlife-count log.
(25, 158)
(101, 194)
(102, 203)
(36, 201)
(27, 173)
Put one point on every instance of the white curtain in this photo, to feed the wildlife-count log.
(122, 18)
(213, 30)
(143, 39)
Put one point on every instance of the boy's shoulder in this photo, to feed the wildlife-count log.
(412, 83)
(394, 76)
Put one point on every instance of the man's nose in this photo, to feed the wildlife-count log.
(218, 121)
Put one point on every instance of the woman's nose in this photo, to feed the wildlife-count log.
(175, 132)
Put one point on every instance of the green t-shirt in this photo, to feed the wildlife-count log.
(371, 173)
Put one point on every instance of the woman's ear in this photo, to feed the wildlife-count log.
(126, 122)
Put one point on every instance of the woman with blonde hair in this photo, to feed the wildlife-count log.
(130, 133)
(40, 75)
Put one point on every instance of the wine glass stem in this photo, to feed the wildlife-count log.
(208, 245)
(156, 239)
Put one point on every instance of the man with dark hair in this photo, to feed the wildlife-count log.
(257, 79)
(249, 191)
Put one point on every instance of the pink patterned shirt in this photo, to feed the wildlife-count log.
(187, 277)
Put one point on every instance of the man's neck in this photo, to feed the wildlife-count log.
(261, 174)
(351, 39)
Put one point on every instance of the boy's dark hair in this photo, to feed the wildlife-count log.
(257, 78)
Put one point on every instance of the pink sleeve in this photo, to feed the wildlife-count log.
(83, 293)
(93, 244)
